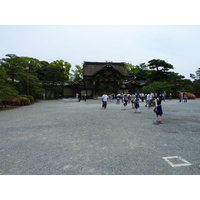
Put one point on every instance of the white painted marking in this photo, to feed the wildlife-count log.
(185, 162)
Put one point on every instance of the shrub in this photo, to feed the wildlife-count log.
(190, 95)
(28, 97)
(24, 100)
(18, 102)
(10, 101)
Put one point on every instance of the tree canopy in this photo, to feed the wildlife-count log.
(78, 73)
(6, 90)
(157, 63)
(27, 75)
(54, 76)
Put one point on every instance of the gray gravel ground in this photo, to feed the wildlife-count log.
(61, 137)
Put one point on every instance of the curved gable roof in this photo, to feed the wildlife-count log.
(92, 68)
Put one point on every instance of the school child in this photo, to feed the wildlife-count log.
(125, 101)
(137, 105)
(129, 98)
(158, 110)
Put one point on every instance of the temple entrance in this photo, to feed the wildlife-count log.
(104, 77)
(100, 77)
(104, 87)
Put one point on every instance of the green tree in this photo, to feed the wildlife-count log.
(67, 67)
(29, 77)
(157, 63)
(189, 88)
(159, 87)
(157, 73)
(22, 72)
(196, 86)
(177, 82)
(197, 76)
(192, 76)
(12, 65)
(55, 75)
(138, 72)
(198, 73)
(41, 70)
(77, 73)
(6, 90)
(187, 85)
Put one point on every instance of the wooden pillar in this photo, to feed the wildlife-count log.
(94, 87)
(118, 86)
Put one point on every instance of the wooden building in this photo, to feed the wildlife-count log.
(99, 77)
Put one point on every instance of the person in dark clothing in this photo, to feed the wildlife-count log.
(159, 111)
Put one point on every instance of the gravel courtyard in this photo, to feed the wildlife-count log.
(66, 137)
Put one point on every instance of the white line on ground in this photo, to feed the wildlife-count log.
(184, 162)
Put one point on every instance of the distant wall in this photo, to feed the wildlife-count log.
(68, 92)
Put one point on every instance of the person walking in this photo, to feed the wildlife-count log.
(137, 105)
(164, 96)
(158, 110)
(129, 98)
(148, 98)
(132, 100)
(142, 96)
(118, 99)
(125, 101)
(180, 97)
(185, 97)
(85, 97)
(104, 100)
(170, 96)
(79, 97)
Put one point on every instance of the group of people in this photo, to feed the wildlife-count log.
(78, 96)
(182, 96)
(135, 100)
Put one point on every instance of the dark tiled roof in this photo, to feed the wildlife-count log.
(92, 68)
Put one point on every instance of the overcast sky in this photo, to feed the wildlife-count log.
(129, 31)
(135, 44)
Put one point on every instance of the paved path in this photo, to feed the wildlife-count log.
(63, 137)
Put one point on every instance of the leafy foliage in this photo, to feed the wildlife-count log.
(30, 76)
(159, 87)
(138, 72)
(54, 76)
(22, 74)
(77, 73)
(156, 63)
(6, 90)
(196, 86)
(26, 75)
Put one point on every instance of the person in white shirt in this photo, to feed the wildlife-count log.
(85, 97)
(118, 99)
(104, 100)
(132, 100)
(142, 96)
(148, 100)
